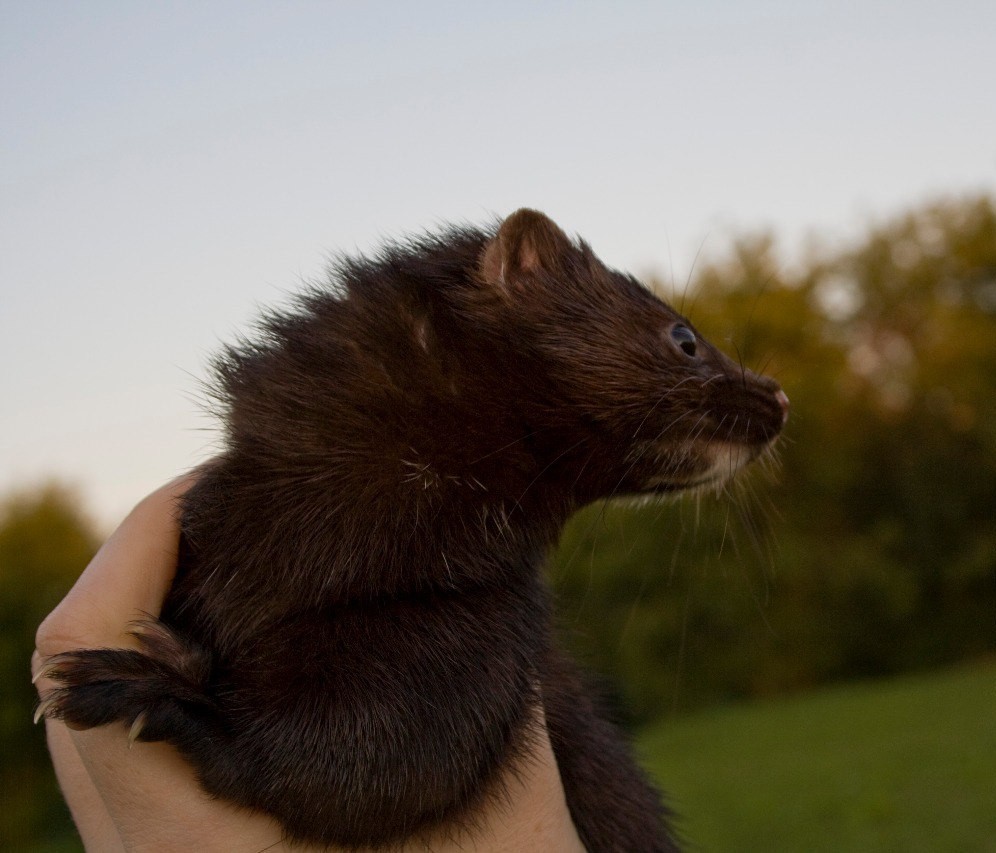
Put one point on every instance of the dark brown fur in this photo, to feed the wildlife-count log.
(359, 633)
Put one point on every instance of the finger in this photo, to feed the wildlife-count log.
(146, 796)
(129, 577)
(155, 802)
(533, 814)
(87, 807)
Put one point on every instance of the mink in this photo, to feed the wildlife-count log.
(359, 633)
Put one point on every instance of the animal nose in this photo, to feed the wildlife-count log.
(783, 401)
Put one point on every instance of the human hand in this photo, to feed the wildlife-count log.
(145, 797)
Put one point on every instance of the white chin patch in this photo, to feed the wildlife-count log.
(714, 463)
(725, 459)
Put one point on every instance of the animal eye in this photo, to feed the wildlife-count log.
(684, 338)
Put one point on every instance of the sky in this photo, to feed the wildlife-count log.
(169, 168)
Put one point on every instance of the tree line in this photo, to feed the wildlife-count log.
(867, 549)
(871, 549)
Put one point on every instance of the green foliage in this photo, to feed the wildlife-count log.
(44, 544)
(873, 549)
(904, 765)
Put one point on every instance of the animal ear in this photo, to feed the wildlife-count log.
(528, 242)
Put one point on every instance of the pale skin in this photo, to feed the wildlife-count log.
(144, 796)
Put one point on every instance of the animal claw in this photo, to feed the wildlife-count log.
(44, 671)
(136, 728)
(43, 708)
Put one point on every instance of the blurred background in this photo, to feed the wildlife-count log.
(807, 662)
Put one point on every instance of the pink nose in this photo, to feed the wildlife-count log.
(783, 401)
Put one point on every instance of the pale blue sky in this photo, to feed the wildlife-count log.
(167, 167)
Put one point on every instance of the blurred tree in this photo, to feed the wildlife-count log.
(921, 351)
(875, 549)
(44, 544)
(872, 550)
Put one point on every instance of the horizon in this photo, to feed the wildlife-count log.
(167, 171)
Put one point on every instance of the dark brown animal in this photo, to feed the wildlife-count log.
(358, 633)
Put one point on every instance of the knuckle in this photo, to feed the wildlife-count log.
(57, 634)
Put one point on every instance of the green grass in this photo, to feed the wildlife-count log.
(904, 765)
